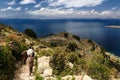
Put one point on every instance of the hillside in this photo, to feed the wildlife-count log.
(56, 56)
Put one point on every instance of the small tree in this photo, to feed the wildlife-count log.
(65, 34)
(76, 37)
(71, 46)
(30, 33)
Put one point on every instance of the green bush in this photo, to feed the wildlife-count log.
(37, 77)
(76, 37)
(58, 63)
(73, 57)
(98, 71)
(59, 78)
(71, 46)
(17, 48)
(30, 33)
(7, 65)
(45, 53)
(98, 58)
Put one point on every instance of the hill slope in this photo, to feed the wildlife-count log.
(69, 55)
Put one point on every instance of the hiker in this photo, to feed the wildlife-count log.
(30, 54)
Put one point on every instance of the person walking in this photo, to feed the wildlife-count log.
(30, 53)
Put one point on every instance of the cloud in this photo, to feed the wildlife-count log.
(26, 9)
(27, 1)
(75, 3)
(37, 5)
(12, 2)
(10, 8)
(71, 13)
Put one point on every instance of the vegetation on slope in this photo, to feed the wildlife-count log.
(12, 43)
(86, 56)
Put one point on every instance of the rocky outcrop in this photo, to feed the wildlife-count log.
(86, 77)
(70, 65)
(44, 68)
(70, 77)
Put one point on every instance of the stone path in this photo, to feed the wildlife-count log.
(23, 73)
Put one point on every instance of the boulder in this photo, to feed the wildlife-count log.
(50, 78)
(43, 66)
(43, 62)
(70, 65)
(86, 77)
(78, 77)
(47, 72)
(68, 77)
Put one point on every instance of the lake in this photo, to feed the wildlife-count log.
(95, 29)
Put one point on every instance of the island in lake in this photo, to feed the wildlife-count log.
(113, 26)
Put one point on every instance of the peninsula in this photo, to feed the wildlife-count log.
(113, 26)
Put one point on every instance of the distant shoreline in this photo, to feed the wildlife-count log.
(113, 26)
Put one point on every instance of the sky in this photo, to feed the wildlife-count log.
(60, 9)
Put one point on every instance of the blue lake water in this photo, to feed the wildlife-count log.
(94, 29)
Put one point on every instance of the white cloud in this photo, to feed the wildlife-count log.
(10, 8)
(37, 5)
(106, 13)
(17, 9)
(12, 2)
(71, 13)
(75, 3)
(27, 1)
(26, 9)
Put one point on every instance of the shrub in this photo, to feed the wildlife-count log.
(99, 71)
(59, 78)
(17, 48)
(58, 63)
(45, 53)
(76, 37)
(73, 57)
(53, 44)
(30, 33)
(7, 65)
(71, 46)
(98, 58)
(37, 77)
(65, 34)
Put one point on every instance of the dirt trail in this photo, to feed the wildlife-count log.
(23, 73)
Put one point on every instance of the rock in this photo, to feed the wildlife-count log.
(70, 65)
(27, 41)
(86, 77)
(47, 72)
(43, 62)
(78, 77)
(68, 77)
(40, 70)
(50, 78)
(43, 66)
